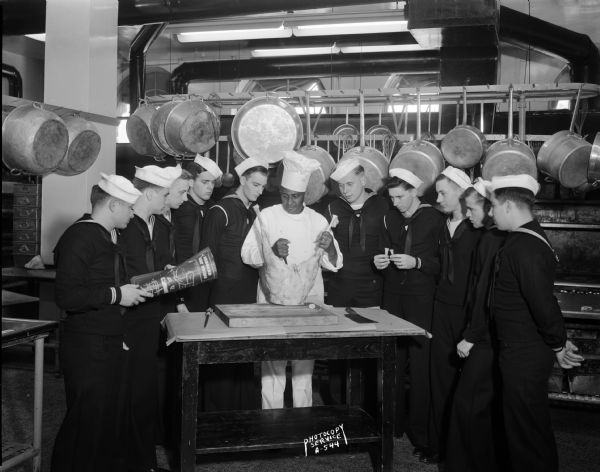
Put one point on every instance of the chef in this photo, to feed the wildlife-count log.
(409, 260)
(458, 241)
(188, 220)
(231, 386)
(360, 212)
(142, 323)
(529, 324)
(296, 234)
(92, 288)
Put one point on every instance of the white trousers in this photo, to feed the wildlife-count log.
(273, 383)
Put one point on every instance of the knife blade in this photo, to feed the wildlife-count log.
(354, 316)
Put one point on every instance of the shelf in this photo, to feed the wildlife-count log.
(575, 398)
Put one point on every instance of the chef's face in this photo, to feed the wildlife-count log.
(500, 212)
(253, 185)
(292, 201)
(352, 186)
(448, 195)
(177, 193)
(122, 212)
(402, 198)
(203, 186)
(475, 210)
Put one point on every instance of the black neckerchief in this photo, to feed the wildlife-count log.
(446, 249)
(150, 246)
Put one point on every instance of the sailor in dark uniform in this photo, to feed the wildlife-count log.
(188, 221)
(458, 241)
(529, 325)
(232, 387)
(475, 430)
(92, 288)
(358, 283)
(142, 323)
(410, 232)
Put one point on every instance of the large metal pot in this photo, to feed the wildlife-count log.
(509, 156)
(565, 155)
(192, 127)
(84, 146)
(421, 157)
(157, 128)
(264, 127)
(138, 131)
(34, 140)
(463, 145)
(594, 164)
(372, 160)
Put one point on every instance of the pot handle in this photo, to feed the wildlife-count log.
(509, 134)
(575, 109)
(464, 120)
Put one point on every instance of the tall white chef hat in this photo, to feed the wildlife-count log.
(249, 163)
(407, 176)
(163, 177)
(525, 181)
(459, 177)
(209, 165)
(482, 187)
(297, 170)
(119, 187)
(344, 167)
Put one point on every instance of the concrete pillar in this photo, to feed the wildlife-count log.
(80, 72)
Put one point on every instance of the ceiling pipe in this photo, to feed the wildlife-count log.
(15, 81)
(304, 66)
(137, 61)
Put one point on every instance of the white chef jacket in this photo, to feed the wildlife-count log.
(302, 230)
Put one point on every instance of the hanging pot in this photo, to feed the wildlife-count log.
(463, 145)
(345, 136)
(84, 146)
(565, 155)
(157, 128)
(138, 131)
(34, 140)
(421, 157)
(191, 127)
(509, 156)
(264, 127)
(372, 160)
(594, 164)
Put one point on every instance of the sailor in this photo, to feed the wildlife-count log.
(409, 247)
(188, 220)
(92, 288)
(360, 212)
(458, 241)
(529, 324)
(232, 386)
(475, 432)
(142, 323)
(295, 234)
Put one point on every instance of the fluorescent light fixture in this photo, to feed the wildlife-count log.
(382, 48)
(333, 49)
(234, 34)
(37, 37)
(323, 29)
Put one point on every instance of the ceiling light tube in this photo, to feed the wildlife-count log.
(322, 29)
(234, 34)
(381, 48)
(295, 51)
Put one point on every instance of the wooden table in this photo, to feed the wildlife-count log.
(218, 432)
(18, 331)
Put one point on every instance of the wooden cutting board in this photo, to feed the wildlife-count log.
(265, 314)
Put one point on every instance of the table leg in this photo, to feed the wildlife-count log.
(38, 394)
(189, 406)
(386, 394)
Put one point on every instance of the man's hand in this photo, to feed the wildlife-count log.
(567, 358)
(381, 261)
(281, 248)
(133, 295)
(463, 348)
(404, 261)
(324, 240)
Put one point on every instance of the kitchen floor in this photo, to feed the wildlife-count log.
(577, 431)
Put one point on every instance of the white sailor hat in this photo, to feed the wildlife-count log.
(209, 165)
(482, 187)
(173, 172)
(248, 164)
(156, 175)
(119, 187)
(344, 167)
(296, 171)
(525, 181)
(407, 176)
(459, 177)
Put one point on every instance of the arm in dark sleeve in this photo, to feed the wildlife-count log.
(430, 260)
(535, 270)
(73, 292)
(214, 224)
